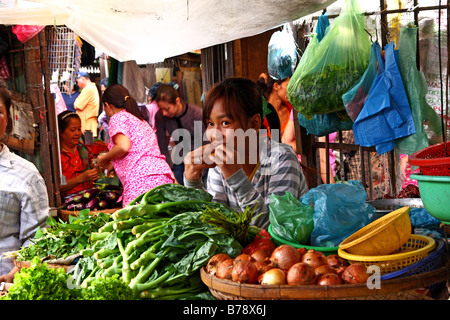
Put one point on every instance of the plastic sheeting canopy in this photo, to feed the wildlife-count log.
(148, 31)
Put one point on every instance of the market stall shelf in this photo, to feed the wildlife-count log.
(398, 288)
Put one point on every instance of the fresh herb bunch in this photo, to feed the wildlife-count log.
(60, 239)
(236, 224)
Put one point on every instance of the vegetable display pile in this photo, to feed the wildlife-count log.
(40, 282)
(286, 265)
(60, 239)
(158, 244)
(100, 197)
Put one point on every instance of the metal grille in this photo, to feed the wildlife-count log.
(62, 49)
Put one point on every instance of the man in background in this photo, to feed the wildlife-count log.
(87, 104)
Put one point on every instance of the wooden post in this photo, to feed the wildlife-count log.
(36, 93)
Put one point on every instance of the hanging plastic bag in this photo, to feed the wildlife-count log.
(386, 115)
(324, 124)
(25, 32)
(290, 219)
(416, 89)
(339, 210)
(355, 97)
(340, 59)
(282, 54)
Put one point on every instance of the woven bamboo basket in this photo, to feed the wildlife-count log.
(398, 288)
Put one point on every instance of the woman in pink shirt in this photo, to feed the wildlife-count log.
(133, 150)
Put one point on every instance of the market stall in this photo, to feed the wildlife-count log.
(173, 242)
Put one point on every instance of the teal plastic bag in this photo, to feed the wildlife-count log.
(355, 97)
(339, 210)
(416, 89)
(324, 124)
(290, 219)
(386, 115)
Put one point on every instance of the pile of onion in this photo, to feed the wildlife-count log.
(286, 265)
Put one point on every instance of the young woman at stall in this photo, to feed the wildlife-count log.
(75, 159)
(23, 197)
(242, 175)
(133, 149)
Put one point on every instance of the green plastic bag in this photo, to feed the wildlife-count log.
(416, 89)
(330, 67)
(290, 219)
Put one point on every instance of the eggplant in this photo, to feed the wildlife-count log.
(78, 198)
(69, 200)
(103, 204)
(71, 206)
(90, 193)
(111, 196)
(78, 206)
(91, 204)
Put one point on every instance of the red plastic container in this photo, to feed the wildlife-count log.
(432, 161)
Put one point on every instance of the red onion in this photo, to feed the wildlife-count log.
(244, 271)
(323, 269)
(329, 279)
(243, 256)
(301, 251)
(314, 258)
(273, 276)
(300, 274)
(224, 269)
(337, 262)
(214, 262)
(261, 255)
(355, 273)
(284, 257)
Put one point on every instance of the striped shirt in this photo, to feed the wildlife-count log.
(23, 204)
(279, 171)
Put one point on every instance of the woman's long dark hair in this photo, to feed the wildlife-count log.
(118, 96)
(241, 96)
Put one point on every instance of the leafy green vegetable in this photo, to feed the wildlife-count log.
(321, 92)
(60, 239)
(39, 282)
(111, 288)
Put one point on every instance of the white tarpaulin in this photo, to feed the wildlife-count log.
(149, 31)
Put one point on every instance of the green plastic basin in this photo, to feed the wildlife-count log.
(279, 241)
(435, 194)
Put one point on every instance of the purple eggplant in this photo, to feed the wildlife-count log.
(90, 193)
(79, 206)
(111, 196)
(78, 198)
(103, 204)
(91, 204)
(71, 206)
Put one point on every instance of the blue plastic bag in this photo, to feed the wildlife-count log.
(339, 210)
(386, 115)
(355, 97)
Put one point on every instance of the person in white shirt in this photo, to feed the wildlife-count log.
(23, 197)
